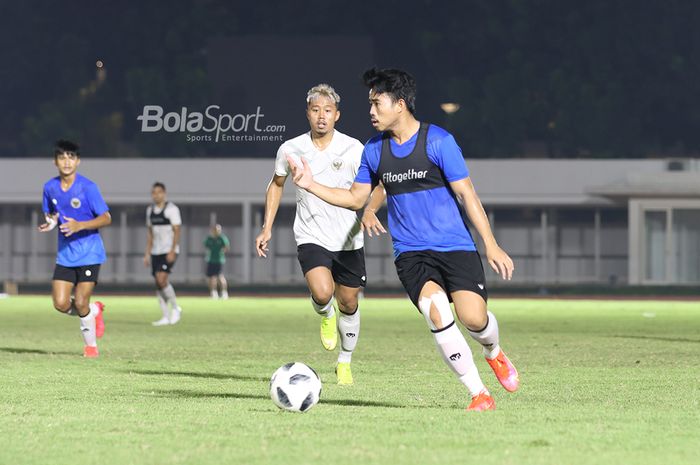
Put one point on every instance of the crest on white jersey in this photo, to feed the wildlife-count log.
(337, 164)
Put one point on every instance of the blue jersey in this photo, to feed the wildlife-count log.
(82, 202)
(426, 217)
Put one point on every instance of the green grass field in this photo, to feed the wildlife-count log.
(603, 382)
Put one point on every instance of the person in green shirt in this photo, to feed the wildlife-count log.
(217, 244)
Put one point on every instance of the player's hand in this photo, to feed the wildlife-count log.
(70, 226)
(261, 243)
(371, 223)
(51, 222)
(302, 175)
(500, 262)
(170, 257)
(147, 260)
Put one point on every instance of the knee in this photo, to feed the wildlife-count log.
(61, 304)
(322, 294)
(474, 321)
(161, 281)
(82, 303)
(347, 304)
(321, 297)
(436, 310)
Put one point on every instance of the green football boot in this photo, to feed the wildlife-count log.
(329, 332)
(344, 374)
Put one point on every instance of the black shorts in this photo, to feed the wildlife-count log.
(160, 264)
(347, 266)
(77, 274)
(213, 269)
(453, 271)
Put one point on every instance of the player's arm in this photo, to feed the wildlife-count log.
(352, 199)
(227, 245)
(273, 197)
(50, 214)
(51, 220)
(170, 257)
(497, 257)
(71, 226)
(149, 247)
(370, 222)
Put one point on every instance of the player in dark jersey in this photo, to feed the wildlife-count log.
(74, 204)
(430, 197)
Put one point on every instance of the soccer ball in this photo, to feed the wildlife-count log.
(295, 387)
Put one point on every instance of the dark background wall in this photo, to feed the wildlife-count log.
(553, 78)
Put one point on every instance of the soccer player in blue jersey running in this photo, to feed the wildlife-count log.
(430, 197)
(74, 204)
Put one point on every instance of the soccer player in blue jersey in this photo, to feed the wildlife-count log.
(430, 197)
(74, 204)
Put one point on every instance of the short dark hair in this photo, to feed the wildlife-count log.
(63, 145)
(158, 184)
(396, 83)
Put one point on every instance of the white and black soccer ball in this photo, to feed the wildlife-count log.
(295, 387)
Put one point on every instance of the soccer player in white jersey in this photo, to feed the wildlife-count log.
(329, 239)
(430, 199)
(163, 223)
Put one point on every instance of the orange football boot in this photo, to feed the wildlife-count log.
(90, 352)
(505, 372)
(482, 401)
(99, 320)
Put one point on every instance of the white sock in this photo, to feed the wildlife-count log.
(349, 330)
(457, 355)
(163, 304)
(224, 294)
(87, 326)
(214, 294)
(326, 310)
(488, 337)
(170, 297)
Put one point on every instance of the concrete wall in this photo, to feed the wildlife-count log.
(563, 221)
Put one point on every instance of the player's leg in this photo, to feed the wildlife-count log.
(212, 281)
(88, 314)
(61, 295)
(348, 271)
(348, 329)
(161, 281)
(316, 263)
(320, 283)
(212, 287)
(466, 282)
(158, 265)
(435, 307)
(223, 285)
(421, 276)
(483, 328)
(168, 293)
(165, 291)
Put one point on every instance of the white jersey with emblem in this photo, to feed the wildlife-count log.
(163, 234)
(318, 222)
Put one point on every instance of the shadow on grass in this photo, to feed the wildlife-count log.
(185, 394)
(194, 374)
(19, 350)
(659, 338)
